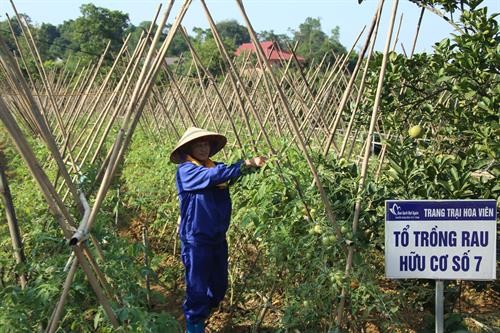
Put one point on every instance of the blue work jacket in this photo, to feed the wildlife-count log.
(205, 208)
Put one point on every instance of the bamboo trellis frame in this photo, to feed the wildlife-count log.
(261, 100)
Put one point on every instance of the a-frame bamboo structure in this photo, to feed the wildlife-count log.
(250, 100)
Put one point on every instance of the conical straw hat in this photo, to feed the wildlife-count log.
(217, 142)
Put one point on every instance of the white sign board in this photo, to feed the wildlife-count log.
(440, 239)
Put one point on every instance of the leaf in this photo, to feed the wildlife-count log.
(97, 319)
(443, 79)
(454, 173)
(483, 106)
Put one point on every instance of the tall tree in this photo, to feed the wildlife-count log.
(63, 45)
(314, 42)
(281, 39)
(92, 31)
(233, 31)
(46, 35)
(310, 38)
(5, 32)
(178, 45)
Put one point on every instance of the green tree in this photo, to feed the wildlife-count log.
(206, 47)
(314, 43)
(5, 32)
(201, 34)
(136, 31)
(46, 35)
(178, 44)
(282, 39)
(91, 32)
(311, 38)
(63, 45)
(233, 31)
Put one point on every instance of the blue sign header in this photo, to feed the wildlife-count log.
(440, 210)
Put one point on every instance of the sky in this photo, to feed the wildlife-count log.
(277, 15)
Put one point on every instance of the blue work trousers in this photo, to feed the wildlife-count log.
(206, 278)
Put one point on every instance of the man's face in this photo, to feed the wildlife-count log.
(200, 150)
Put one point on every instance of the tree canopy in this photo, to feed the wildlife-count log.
(87, 37)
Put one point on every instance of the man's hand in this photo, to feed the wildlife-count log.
(256, 162)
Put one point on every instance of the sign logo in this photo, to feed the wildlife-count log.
(403, 211)
(395, 210)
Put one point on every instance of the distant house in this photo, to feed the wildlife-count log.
(272, 51)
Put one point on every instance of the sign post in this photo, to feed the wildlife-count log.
(440, 240)
(439, 307)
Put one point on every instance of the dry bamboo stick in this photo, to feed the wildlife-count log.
(272, 99)
(300, 142)
(67, 97)
(43, 75)
(98, 97)
(54, 201)
(62, 82)
(76, 93)
(252, 107)
(233, 76)
(214, 85)
(347, 91)
(181, 96)
(12, 223)
(384, 146)
(14, 37)
(362, 85)
(98, 123)
(354, 140)
(323, 97)
(21, 86)
(271, 110)
(137, 101)
(396, 38)
(364, 165)
(80, 109)
(164, 108)
(330, 79)
(118, 107)
(57, 312)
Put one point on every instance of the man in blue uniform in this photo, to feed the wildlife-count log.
(205, 209)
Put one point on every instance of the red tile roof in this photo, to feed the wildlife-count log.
(271, 51)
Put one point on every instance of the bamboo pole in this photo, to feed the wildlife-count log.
(214, 85)
(328, 208)
(10, 213)
(55, 203)
(234, 78)
(364, 165)
(396, 38)
(98, 98)
(80, 108)
(362, 84)
(14, 37)
(21, 85)
(57, 312)
(347, 91)
(121, 101)
(43, 75)
(252, 108)
(327, 83)
(89, 141)
(384, 146)
(141, 90)
(148, 82)
(145, 244)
